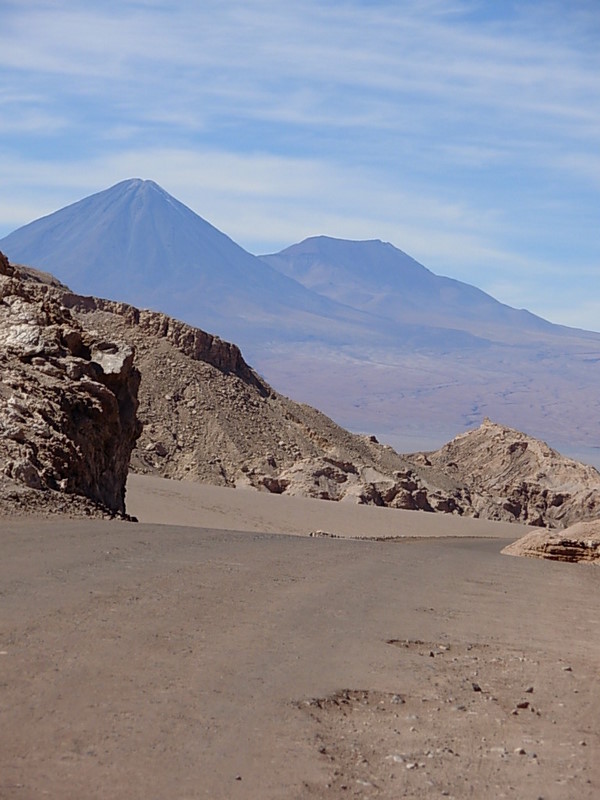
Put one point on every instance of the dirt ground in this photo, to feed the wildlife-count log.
(161, 661)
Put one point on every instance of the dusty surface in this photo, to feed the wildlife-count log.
(160, 500)
(152, 661)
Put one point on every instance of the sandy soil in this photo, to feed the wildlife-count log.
(163, 501)
(188, 661)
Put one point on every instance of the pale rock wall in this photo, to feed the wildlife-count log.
(68, 402)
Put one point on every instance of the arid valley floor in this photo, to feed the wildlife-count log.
(217, 650)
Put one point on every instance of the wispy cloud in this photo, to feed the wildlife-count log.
(464, 132)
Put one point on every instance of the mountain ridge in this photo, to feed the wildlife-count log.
(136, 241)
(405, 288)
(404, 361)
(72, 386)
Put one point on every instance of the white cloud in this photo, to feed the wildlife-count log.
(256, 53)
(267, 202)
(463, 132)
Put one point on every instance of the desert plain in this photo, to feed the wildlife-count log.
(216, 649)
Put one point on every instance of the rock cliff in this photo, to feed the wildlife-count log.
(511, 476)
(68, 404)
(579, 542)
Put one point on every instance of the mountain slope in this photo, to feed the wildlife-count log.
(378, 278)
(137, 242)
(373, 338)
(208, 416)
(458, 354)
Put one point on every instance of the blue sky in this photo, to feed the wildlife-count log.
(465, 133)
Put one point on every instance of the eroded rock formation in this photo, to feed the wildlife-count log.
(68, 404)
(512, 476)
(579, 542)
(209, 417)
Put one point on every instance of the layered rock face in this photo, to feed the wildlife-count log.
(579, 542)
(68, 404)
(512, 476)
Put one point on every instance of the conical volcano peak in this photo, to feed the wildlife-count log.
(136, 242)
(135, 184)
(131, 189)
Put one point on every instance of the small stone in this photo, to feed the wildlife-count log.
(567, 669)
(411, 765)
(582, 743)
(397, 759)
(529, 690)
(523, 704)
(520, 751)
(476, 687)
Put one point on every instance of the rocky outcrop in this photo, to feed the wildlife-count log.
(579, 542)
(511, 476)
(68, 404)
(209, 417)
(192, 342)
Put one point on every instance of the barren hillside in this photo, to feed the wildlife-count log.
(208, 417)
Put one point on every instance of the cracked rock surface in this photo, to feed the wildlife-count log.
(68, 405)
